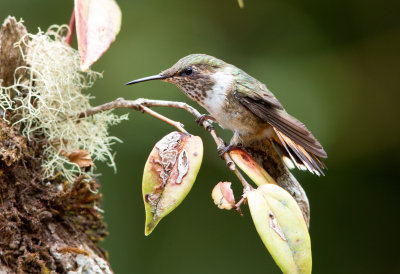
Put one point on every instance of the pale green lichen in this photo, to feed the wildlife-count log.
(52, 97)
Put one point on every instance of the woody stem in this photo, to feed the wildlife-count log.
(144, 105)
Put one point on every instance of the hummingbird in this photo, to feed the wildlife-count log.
(241, 103)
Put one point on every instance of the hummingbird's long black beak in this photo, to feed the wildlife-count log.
(149, 78)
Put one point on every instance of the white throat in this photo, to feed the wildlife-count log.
(216, 97)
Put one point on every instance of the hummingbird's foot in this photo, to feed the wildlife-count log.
(204, 117)
(224, 149)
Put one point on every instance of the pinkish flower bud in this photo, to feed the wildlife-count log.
(222, 195)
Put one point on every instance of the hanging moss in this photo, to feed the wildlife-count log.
(45, 104)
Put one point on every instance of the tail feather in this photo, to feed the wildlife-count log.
(299, 155)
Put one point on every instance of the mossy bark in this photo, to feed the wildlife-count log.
(51, 226)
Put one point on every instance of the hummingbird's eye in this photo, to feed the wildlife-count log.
(187, 71)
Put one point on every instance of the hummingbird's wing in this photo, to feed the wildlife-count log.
(293, 135)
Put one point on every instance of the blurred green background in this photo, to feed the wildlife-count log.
(332, 64)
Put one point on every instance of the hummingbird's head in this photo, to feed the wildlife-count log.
(193, 74)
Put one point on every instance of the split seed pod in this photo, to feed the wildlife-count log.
(169, 174)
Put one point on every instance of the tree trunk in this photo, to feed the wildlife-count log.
(44, 228)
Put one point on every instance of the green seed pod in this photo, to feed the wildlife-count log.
(281, 226)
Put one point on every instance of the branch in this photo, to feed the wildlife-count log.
(144, 104)
(273, 164)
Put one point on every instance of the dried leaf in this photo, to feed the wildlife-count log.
(97, 24)
(169, 174)
(222, 195)
(281, 226)
(246, 163)
(80, 157)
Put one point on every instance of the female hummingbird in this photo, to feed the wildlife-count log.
(239, 102)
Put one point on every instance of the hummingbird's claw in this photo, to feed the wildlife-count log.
(203, 117)
(224, 149)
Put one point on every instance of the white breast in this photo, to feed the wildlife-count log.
(216, 97)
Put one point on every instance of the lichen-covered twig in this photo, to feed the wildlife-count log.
(49, 91)
(144, 104)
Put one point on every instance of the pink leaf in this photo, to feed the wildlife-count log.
(97, 24)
